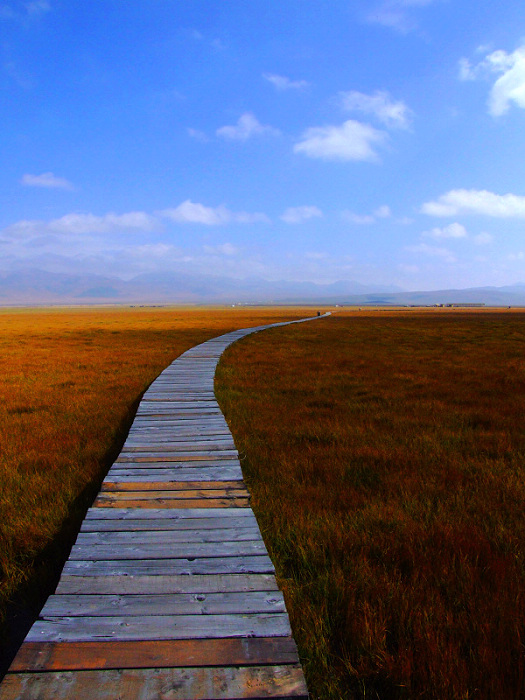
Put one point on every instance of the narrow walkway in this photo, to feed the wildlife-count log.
(169, 592)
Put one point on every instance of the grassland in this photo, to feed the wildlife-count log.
(385, 454)
(70, 381)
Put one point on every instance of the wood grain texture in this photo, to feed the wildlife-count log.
(218, 683)
(172, 653)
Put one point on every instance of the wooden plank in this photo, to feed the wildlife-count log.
(174, 503)
(137, 525)
(68, 656)
(206, 565)
(175, 446)
(168, 492)
(123, 513)
(172, 485)
(162, 464)
(85, 629)
(219, 683)
(172, 537)
(178, 457)
(93, 605)
(175, 550)
(199, 475)
(157, 585)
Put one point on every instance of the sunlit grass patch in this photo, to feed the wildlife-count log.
(385, 455)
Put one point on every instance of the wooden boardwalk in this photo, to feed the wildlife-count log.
(169, 591)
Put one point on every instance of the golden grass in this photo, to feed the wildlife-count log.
(385, 453)
(69, 385)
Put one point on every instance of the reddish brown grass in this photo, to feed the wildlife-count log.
(69, 384)
(385, 454)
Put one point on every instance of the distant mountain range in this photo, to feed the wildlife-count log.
(33, 286)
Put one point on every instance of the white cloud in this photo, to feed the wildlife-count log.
(350, 141)
(47, 180)
(396, 14)
(247, 126)
(222, 249)
(451, 231)
(197, 135)
(82, 224)
(509, 87)
(195, 213)
(433, 251)
(109, 223)
(481, 202)
(483, 238)
(361, 219)
(282, 83)
(30, 10)
(383, 212)
(517, 256)
(395, 115)
(296, 215)
(37, 7)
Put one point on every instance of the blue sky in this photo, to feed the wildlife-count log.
(381, 142)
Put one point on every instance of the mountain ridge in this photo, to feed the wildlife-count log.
(33, 286)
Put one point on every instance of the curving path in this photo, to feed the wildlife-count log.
(169, 592)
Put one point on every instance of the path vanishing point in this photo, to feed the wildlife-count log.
(169, 592)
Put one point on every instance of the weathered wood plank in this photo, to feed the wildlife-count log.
(93, 605)
(85, 629)
(175, 465)
(146, 494)
(225, 502)
(201, 446)
(172, 537)
(172, 485)
(137, 525)
(196, 475)
(175, 550)
(161, 584)
(206, 565)
(159, 684)
(182, 458)
(68, 656)
(132, 513)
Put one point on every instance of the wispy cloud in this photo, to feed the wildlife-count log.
(22, 11)
(297, 215)
(350, 217)
(197, 135)
(509, 86)
(46, 180)
(194, 213)
(481, 202)
(282, 83)
(247, 126)
(433, 251)
(227, 249)
(350, 141)
(393, 114)
(451, 231)
(83, 224)
(397, 14)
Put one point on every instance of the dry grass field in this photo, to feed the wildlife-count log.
(385, 455)
(70, 381)
(385, 452)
